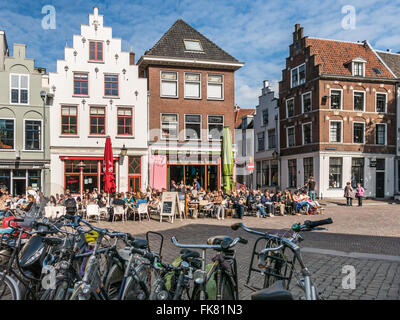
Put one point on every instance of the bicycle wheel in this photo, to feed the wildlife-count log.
(113, 281)
(133, 290)
(8, 289)
(227, 288)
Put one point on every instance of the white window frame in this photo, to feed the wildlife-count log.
(296, 69)
(223, 124)
(365, 97)
(353, 68)
(302, 132)
(363, 133)
(177, 127)
(287, 137)
(184, 126)
(287, 112)
(376, 142)
(222, 84)
(341, 131)
(376, 101)
(14, 120)
(341, 98)
(19, 88)
(176, 81)
(302, 101)
(184, 85)
(41, 135)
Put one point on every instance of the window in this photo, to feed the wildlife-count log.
(192, 85)
(169, 84)
(357, 171)
(215, 87)
(265, 117)
(19, 87)
(69, 120)
(308, 165)
(290, 108)
(125, 121)
(298, 75)
(358, 132)
(260, 141)
(96, 50)
(335, 132)
(359, 100)
(243, 143)
(336, 99)
(192, 45)
(335, 172)
(215, 127)
(271, 139)
(265, 173)
(306, 102)
(290, 137)
(134, 172)
(307, 133)
(81, 82)
(274, 173)
(111, 85)
(33, 134)
(258, 173)
(6, 134)
(381, 102)
(97, 120)
(169, 126)
(381, 134)
(358, 69)
(292, 173)
(193, 126)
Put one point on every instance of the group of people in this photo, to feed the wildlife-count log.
(349, 194)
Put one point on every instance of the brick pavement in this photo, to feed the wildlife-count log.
(364, 230)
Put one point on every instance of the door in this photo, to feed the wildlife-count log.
(19, 187)
(380, 185)
(134, 184)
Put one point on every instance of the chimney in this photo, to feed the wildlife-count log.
(298, 32)
(95, 12)
(131, 58)
(266, 83)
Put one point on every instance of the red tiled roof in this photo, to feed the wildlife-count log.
(333, 55)
(239, 114)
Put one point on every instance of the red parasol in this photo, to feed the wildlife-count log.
(108, 179)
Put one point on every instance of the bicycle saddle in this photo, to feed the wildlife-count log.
(52, 241)
(186, 254)
(219, 240)
(275, 292)
(140, 243)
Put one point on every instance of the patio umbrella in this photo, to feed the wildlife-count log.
(108, 179)
(227, 160)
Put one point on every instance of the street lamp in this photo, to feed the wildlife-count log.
(275, 155)
(81, 165)
(124, 152)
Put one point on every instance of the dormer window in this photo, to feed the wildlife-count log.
(193, 45)
(358, 67)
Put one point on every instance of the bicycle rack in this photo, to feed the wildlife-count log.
(268, 272)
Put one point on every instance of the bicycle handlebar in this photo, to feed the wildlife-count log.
(207, 246)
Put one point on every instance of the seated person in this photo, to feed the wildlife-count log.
(238, 204)
(266, 200)
(219, 208)
(277, 199)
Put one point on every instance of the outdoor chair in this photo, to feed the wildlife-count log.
(143, 210)
(48, 212)
(92, 210)
(119, 211)
(58, 211)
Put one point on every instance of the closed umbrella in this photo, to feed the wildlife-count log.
(108, 179)
(227, 160)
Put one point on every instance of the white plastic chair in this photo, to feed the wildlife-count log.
(92, 210)
(143, 210)
(58, 211)
(119, 210)
(48, 212)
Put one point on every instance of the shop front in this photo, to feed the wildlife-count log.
(18, 180)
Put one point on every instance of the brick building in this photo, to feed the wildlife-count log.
(191, 99)
(337, 117)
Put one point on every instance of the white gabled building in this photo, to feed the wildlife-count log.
(97, 93)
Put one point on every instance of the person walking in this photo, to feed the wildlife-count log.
(349, 194)
(359, 194)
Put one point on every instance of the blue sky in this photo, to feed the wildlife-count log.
(257, 32)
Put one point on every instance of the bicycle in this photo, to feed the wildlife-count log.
(272, 259)
(223, 270)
